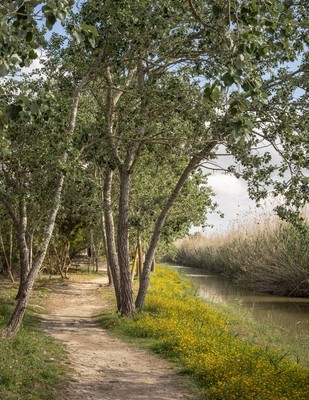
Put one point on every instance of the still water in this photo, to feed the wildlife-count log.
(290, 313)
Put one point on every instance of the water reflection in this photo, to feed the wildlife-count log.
(287, 312)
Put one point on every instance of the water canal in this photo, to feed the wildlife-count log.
(288, 313)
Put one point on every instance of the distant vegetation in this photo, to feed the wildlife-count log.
(209, 345)
(265, 254)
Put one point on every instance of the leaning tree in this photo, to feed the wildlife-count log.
(210, 70)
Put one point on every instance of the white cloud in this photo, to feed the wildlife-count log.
(36, 65)
(227, 185)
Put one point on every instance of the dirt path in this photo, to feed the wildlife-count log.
(105, 367)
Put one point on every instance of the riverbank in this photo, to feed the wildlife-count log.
(75, 359)
(266, 255)
(226, 363)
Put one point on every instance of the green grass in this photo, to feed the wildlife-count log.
(32, 365)
(223, 355)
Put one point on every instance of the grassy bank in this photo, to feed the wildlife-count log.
(208, 345)
(32, 365)
(266, 255)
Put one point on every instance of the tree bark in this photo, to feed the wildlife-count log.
(8, 259)
(111, 254)
(30, 249)
(144, 279)
(153, 265)
(11, 255)
(109, 274)
(23, 246)
(127, 299)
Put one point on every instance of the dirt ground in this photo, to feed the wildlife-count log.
(105, 368)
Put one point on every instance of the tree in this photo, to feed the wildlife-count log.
(24, 175)
(155, 37)
(178, 80)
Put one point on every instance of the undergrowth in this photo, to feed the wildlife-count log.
(227, 366)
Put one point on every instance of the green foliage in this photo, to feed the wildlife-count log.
(222, 68)
(20, 36)
(204, 342)
(153, 182)
(32, 364)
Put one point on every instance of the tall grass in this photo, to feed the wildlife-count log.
(265, 254)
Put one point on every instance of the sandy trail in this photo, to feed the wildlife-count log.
(105, 368)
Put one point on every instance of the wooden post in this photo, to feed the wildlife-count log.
(134, 262)
(140, 256)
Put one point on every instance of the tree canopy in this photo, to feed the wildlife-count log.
(139, 95)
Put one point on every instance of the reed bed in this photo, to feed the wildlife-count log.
(265, 254)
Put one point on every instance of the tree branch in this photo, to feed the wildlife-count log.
(199, 19)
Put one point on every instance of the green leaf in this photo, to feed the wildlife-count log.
(215, 94)
(92, 42)
(32, 55)
(34, 108)
(239, 62)
(13, 111)
(50, 21)
(228, 79)
(29, 36)
(4, 68)
(79, 37)
(207, 91)
(61, 16)
(89, 29)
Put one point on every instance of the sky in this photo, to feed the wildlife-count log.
(231, 194)
(233, 201)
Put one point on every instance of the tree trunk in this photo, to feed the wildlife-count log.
(11, 255)
(19, 311)
(133, 268)
(30, 249)
(23, 246)
(127, 300)
(144, 280)
(26, 287)
(8, 259)
(109, 274)
(153, 265)
(111, 254)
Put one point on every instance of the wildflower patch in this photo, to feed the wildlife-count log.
(199, 337)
